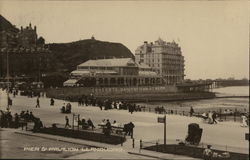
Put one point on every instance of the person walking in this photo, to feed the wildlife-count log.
(108, 128)
(244, 121)
(214, 116)
(16, 120)
(210, 118)
(37, 103)
(191, 111)
(90, 123)
(67, 122)
(52, 102)
(131, 129)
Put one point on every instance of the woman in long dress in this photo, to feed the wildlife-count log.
(210, 117)
(244, 121)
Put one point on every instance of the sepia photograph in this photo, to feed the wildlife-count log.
(125, 79)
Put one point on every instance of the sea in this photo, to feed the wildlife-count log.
(215, 104)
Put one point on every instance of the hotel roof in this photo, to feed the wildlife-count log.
(84, 72)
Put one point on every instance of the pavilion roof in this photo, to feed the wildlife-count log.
(115, 62)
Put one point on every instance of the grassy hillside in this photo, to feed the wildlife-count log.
(69, 55)
(6, 25)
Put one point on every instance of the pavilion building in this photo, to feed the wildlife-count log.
(113, 72)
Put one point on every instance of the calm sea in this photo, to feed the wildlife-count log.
(236, 90)
(210, 104)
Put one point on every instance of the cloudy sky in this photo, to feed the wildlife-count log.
(214, 35)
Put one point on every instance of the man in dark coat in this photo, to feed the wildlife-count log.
(31, 116)
(67, 122)
(214, 117)
(191, 111)
(108, 128)
(16, 120)
(90, 123)
(26, 115)
(131, 129)
(52, 101)
(37, 103)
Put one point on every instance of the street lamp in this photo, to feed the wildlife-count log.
(7, 76)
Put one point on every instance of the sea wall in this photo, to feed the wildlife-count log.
(106, 91)
(130, 94)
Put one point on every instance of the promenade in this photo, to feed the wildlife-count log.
(228, 135)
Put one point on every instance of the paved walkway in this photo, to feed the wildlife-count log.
(122, 152)
(147, 128)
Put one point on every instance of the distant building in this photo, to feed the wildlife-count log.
(27, 37)
(164, 57)
(27, 54)
(21, 38)
(113, 72)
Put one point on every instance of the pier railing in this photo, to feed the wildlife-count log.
(229, 116)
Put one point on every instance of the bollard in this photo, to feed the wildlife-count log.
(133, 143)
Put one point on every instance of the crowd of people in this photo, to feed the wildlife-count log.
(7, 120)
(106, 104)
(18, 120)
(106, 126)
(160, 110)
(66, 109)
(211, 117)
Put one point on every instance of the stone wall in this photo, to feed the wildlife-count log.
(105, 91)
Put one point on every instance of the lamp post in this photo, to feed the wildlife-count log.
(7, 76)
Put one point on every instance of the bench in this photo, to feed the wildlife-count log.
(115, 129)
(84, 126)
(118, 130)
(25, 123)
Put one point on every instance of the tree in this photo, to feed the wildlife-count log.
(40, 41)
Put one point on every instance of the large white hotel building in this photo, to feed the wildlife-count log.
(165, 58)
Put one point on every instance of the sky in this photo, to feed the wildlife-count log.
(213, 35)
